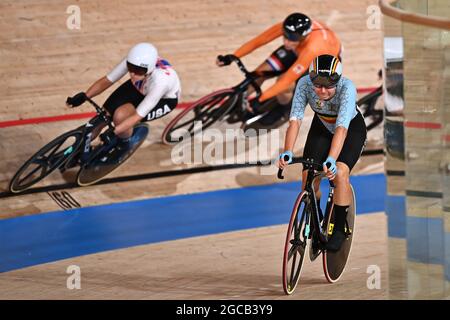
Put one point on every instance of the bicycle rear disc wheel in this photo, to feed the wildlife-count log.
(46, 160)
(207, 110)
(97, 170)
(296, 245)
(334, 263)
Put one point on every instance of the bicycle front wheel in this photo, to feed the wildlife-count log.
(47, 159)
(334, 263)
(296, 244)
(200, 115)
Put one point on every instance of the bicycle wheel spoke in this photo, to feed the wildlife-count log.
(44, 170)
(211, 111)
(190, 121)
(297, 246)
(292, 251)
(293, 266)
(41, 161)
(203, 113)
(183, 124)
(55, 149)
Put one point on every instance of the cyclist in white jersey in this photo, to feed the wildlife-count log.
(337, 135)
(151, 92)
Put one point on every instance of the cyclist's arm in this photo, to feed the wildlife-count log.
(128, 123)
(260, 40)
(98, 87)
(346, 111)
(107, 81)
(291, 134)
(157, 90)
(297, 112)
(337, 142)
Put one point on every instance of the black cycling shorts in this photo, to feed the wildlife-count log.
(282, 59)
(318, 142)
(127, 93)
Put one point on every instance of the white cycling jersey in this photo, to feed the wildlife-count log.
(162, 83)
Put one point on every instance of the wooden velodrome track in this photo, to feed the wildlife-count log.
(43, 62)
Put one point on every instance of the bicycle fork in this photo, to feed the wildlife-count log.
(86, 154)
(307, 224)
(328, 208)
(323, 234)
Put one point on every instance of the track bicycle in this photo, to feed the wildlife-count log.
(308, 232)
(74, 148)
(222, 105)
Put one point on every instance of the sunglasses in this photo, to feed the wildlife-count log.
(140, 71)
(319, 86)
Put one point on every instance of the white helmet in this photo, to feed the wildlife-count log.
(143, 55)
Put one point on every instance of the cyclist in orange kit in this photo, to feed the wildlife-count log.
(303, 40)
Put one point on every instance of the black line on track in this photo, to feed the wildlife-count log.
(154, 175)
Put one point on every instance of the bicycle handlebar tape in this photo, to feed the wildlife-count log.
(280, 174)
(280, 171)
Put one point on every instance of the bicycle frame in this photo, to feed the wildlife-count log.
(87, 155)
(218, 104)
(314, 171)
(250, 78)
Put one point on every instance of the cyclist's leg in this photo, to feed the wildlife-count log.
(121, 114)
(279, 61)
(351, 152)
(317, 191)
(279, 113)
(318, 143)
(342, 195)
(317, 146)
(262, 67)
(342, 199)
(162, 108)
(122, 103)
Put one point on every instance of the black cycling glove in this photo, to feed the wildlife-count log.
(77, 99)
(226, 59)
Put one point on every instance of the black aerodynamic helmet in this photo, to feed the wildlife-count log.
(296, 26)
(325, 70)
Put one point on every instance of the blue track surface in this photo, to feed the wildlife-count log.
(31, 240)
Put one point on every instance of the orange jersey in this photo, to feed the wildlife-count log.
(321, 40)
